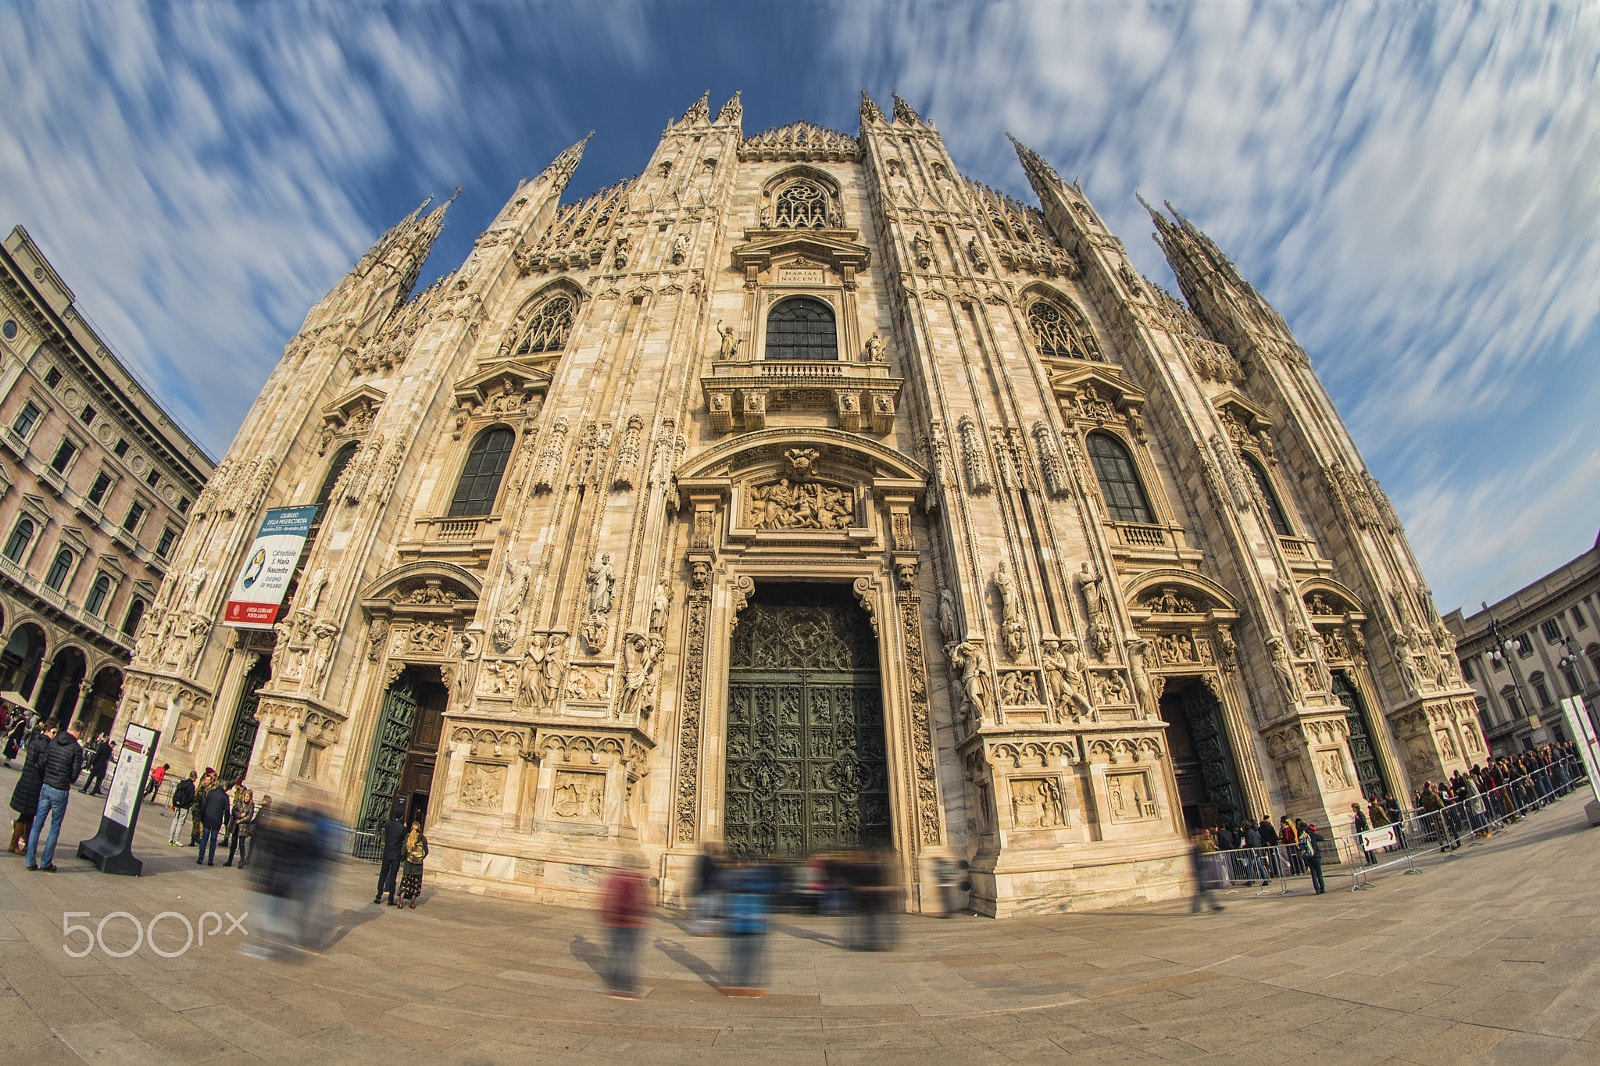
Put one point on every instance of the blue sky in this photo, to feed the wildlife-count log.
(1416, 187)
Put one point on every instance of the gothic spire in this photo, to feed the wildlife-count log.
(1208, 278)
(870, 111)
(559, 172)
(903, 111)
(732, 112)
(699, 111)
(1041, 175)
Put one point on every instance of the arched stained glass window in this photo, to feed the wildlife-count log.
(801, 204)
(480, 478)
(1060, 334)
(549, 327)
(801, 329)
(56, 576)
(20, 538)
(97, 595)
(1280, 523)
(1119, 480)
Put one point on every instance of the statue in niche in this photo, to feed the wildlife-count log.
(377, 637)
(1099, 611)
(531, 694)
(922, 248)
(554, 669)
(518, 590)
(1011, 627)
(601, 580)
(640, 656)
(1036, 804)
(947, 613)
(728, 350)
(1144, 691)
(658, 608)
(680, 248)
(197, 642)
(197, 581)
(1282, 670)
(976, 684)
(1063, 678)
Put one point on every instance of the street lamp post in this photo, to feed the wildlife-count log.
(1572, 659)
(1503, 645)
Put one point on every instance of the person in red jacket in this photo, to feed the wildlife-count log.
(622, 912)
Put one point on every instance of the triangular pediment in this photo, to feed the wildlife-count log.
(835, 248)
(1249, 415)
(505, 376)
(357, 405)
(1073, 378)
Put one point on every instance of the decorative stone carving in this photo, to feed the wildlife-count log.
(977, 688)
(1019, 688)
(862, 587)
(588, 684)
(322, 651)
(975, 466)
(482, 786)
(947, 613)
(1064, 680)
(1012, 631)
(555, 446)
(1092, 587)
(1281, 669)
(1036, 803)
(578, 796)
(1144, 688)
(428, 638)
(553, 670)
(1131, 797)
(782, 504)
(640, 655)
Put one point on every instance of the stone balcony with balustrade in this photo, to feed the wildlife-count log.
(863, 395)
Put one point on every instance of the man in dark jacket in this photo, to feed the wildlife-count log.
(182, 800)
(63, 762)
(213, 815)
(394, 839)
(97, 766)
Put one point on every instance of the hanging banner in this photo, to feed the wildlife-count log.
(1588, 743)
(259, 589)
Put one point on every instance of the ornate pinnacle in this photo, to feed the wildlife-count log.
(699, 111)
(903, 111)
(870, 111)
(559, 172)
(732, 112)
(1041, 175)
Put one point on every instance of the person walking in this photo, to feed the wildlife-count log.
(247, 831)
(416, 850)
(622, 912)
(182, 802)
(1202, 858)
(16, 737)
(1358, 825)
(243, 809)
(25, 796)
(707, 891)
(158, 775)
(98, 761)
(747, 932)
(213, 816)
(63, 762)
(394, 838)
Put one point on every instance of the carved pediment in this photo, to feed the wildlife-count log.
(354, 411)
(837, 249)
(793, 503)
(1241, 418)
(1177, 592)
(1329, 602)
(1094, 391)
(507, 380)
(423, 590)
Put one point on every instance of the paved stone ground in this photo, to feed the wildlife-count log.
(1489, 955)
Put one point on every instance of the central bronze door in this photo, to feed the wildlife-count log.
(806, 768)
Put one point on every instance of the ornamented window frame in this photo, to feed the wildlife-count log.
(828, 216)
(522, 323)
(447, 502)
(1073, 321)
(796, 298)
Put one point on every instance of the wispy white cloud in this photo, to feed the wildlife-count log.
(1412, 185)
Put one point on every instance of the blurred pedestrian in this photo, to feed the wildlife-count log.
(63, 762)
(213, 815)
(747, 931)
(182, 803)
(25, 796)
(393, 834)
(1202, 856)
(416, 850)
(947, 875)
(622, 912)
(242, 809)
(707, 891)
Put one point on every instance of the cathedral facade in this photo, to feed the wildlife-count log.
(801, 494)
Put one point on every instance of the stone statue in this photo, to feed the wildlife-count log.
(197, 581)
(518, 590)
(1282, 670)
(322, 651)
(680, 248)
(601, 580)
(640, 656)
(1143, 690)
(529, 693)
(658, 608)
(377, 634)
(197, 642)
(729, 348)
(1063, 678)
(875, 348)
(319, 581)
(1012, 630)
(554, 670)
(976, 684)
(947, 613)
(922, 248)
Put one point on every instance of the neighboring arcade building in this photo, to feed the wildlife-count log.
(95, 484)
(800, 494)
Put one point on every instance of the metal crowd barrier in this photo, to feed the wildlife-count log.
(366, 847)
(1283, 868)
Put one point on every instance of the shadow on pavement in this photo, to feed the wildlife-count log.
(689, 961)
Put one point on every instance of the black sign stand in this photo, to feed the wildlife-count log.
(111, 848)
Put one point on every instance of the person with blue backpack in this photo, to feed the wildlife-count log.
(745, 912)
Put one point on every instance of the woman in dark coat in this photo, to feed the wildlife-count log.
(14, 735)
(25, 797)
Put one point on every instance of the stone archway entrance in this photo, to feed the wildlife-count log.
(242, 737)
(1202, 758)
(1369, 771)
(406, 748)
(806, 769)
